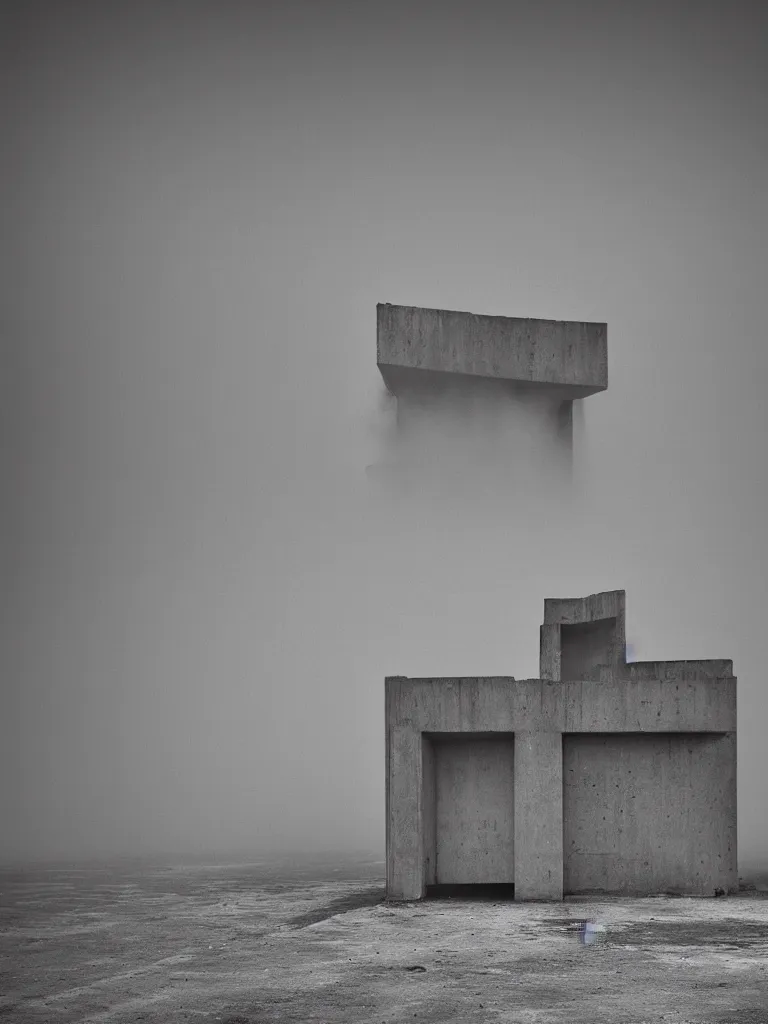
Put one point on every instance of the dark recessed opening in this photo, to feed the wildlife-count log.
(585, 646)
(498, 892)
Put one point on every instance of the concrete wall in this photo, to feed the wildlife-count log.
(569, 354)
(647, 813)
(680, 671)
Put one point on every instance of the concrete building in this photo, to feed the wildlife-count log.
(600, 776)
(433, 356)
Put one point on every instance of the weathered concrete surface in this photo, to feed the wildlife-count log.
(489, 374)
(504, 704)
(647, 804)
(543, 712)
(681, 671)
(538, 814)
(405, 831)
(410, 341)
(248, 944)
(574, 610)
(474, 810)
(584, 637)
(647, 813)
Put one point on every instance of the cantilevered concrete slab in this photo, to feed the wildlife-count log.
(429, 348)
(430, 357)
(619, 780)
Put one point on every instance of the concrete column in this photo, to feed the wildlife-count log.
(428, 811)
(405, 868)
(731, 866)
(538, 816)
(549, 651)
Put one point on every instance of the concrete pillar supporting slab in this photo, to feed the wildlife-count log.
(405, 869)
(538, 815)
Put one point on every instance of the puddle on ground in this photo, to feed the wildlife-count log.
(730, 933)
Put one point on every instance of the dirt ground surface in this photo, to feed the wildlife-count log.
(251, 944)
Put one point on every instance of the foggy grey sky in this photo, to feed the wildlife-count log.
(202, 205)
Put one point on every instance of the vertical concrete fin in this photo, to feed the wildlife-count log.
(549, 651)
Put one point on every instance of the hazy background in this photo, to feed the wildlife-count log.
(202, 588)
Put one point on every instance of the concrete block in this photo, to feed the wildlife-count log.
(415, 347)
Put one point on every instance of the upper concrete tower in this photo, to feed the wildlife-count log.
(426, 355)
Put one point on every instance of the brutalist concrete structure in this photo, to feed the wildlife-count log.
(600, 776)
(429, 355)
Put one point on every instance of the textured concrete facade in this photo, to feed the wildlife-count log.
(429, 355)
(619, 779)
(567, 355)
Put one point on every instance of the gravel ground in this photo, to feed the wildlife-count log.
(251, 944)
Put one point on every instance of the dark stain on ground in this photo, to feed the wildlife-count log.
(501, 893)
(340, 905)
(730, 933)
(240, 1019)
(750, 1016)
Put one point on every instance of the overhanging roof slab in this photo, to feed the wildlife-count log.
(420, 348)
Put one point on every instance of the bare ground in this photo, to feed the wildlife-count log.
(251, 944)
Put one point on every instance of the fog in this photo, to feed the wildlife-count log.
(214, 546)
